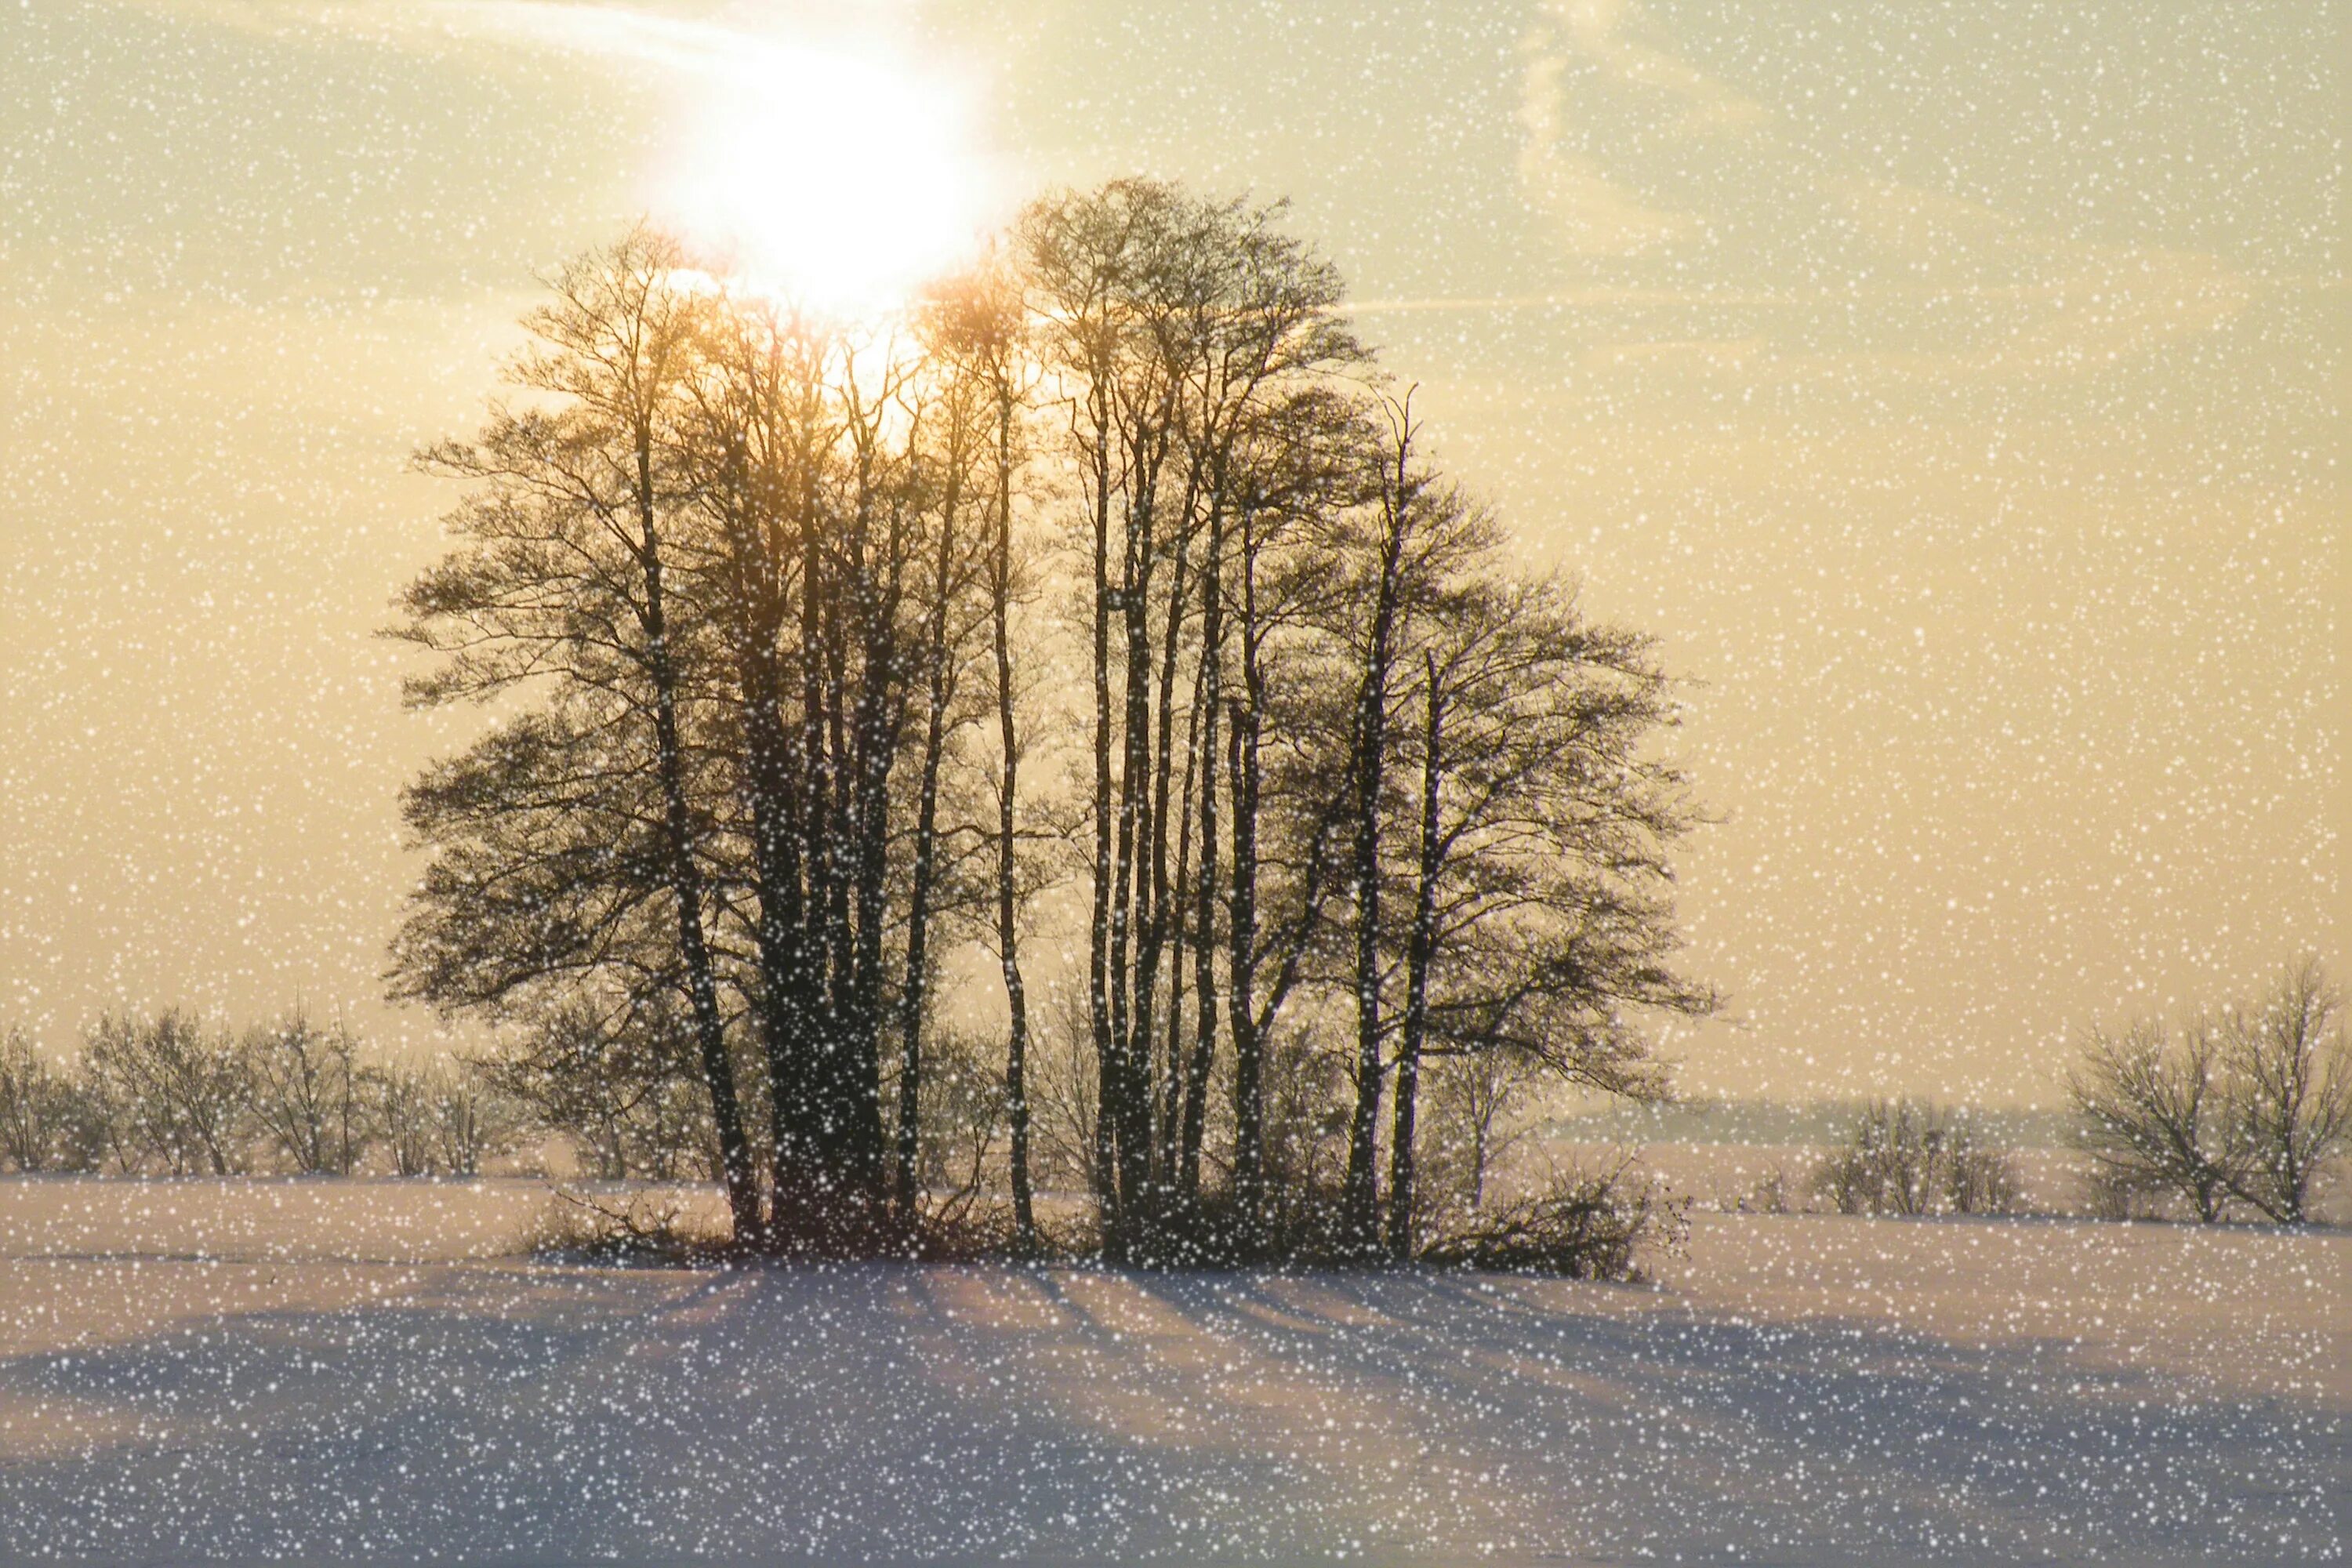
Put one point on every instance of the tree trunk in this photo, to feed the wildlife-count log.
(1204, 917)
(772, 783)
(686, 881)
(1174, 1055)
(1241, 963)
(1099, 964)
(1008, 932)
(798, 1197)
(918, 902)
(1424, 941)
(1130, 1109)
(1360, 1200)
(1154, 893)
(879, 716)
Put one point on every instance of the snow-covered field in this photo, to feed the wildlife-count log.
(340, 1370)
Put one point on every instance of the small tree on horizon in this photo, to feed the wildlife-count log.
(175, 1091)
(308, 1093)
(2289, 1091)
(48, 1118)
(2250, 1105)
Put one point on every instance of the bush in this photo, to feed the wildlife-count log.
(2111, 1193)
(1769, 1195)
(985, 1233)
(1911, 1157)
(641, 1230)
(1580, 1226)
(1980, 1180)
(1298, 1225)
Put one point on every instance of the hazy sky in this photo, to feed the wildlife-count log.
(1956, 388)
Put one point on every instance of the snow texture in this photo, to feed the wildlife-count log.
(1797, 1390)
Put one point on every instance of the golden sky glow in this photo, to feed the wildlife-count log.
(835, 170)
(1956, 389)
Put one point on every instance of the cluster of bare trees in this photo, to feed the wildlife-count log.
(1098, 636)
(1916, 1157)
(176, 1095)
(2245, 1109)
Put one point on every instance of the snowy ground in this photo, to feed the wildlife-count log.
(353, 1370)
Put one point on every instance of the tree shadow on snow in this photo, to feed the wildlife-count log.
(889, 1412)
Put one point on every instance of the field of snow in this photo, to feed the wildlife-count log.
(375, 1370)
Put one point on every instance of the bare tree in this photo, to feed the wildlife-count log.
(1409, 513)
(2151, 1109)
(619, 1082)
(969, 410)
(964, 1117)
(308, 1093)
(749, 591)
(1479, 1096)
(1536, 915)
(402, 1108)
(842, 483)
(471, 1121)
(1287, 724)
(447, 1120)
(1166, 325)
(2289, 1091)
(27, 1093)
(1063, 1085)
(47, 1119)
(981, 335)
(561, 836)
(176, 1092)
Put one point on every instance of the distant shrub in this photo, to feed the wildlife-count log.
(443, 1121)
(1579, 1226)
(472, 1122)
(1911, 1157)
(1980, 1180)
(2113, 1193)
(640, 1229)
(1769, 1194)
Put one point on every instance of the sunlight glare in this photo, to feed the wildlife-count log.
(840, 180)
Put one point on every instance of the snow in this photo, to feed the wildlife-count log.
(375, 1369)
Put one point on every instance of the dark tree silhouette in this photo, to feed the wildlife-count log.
(561, 831)
(753, 588)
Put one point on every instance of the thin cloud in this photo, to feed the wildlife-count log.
(2081, 305)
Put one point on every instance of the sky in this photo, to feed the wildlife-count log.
(1956, 389)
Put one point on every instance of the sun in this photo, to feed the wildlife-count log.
(842, 180)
